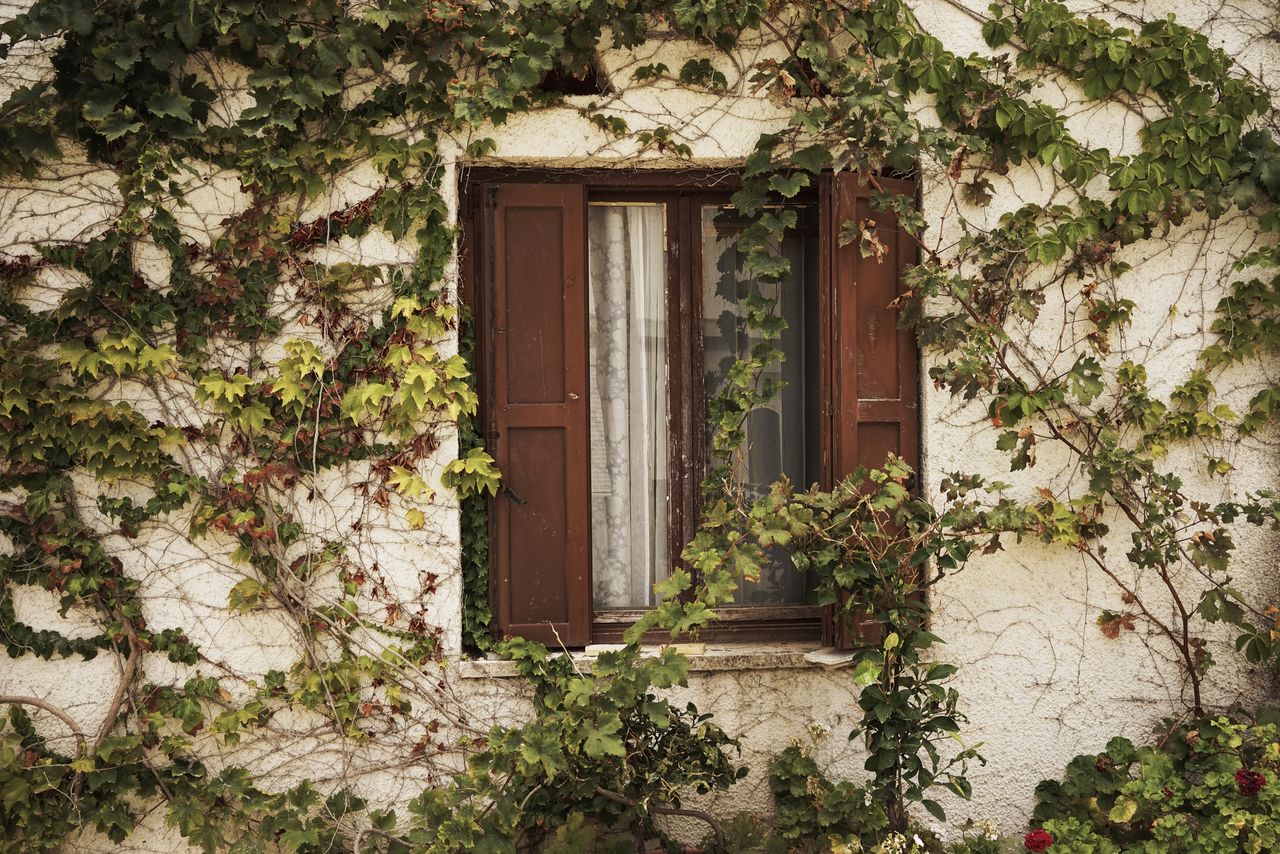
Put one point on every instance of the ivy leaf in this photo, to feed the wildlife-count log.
(117, 125)
(669, 669)
(788, 186)
(171, 105)
(602, 740)
(1269, 174)
(996, 33)
(247, 594)
(254, 417)
(362, 401)
(296, 838)
(1086, 380)
(814, 159)
(409, 483)
(269, 77)
(659, 712)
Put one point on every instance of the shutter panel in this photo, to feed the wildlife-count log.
(537, 322)
(873, 385)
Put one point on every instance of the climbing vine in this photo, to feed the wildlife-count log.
(225, 401)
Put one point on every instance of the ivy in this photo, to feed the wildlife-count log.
(383, 391)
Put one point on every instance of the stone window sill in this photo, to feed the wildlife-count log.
(703, 658)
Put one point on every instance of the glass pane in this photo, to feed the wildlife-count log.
(628, 372)
(782, 437)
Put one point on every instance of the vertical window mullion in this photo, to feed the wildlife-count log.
(691, 287)
(678, 381)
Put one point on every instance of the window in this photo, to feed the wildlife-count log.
(608, 306)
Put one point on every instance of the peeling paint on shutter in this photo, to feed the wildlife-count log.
(874, 363)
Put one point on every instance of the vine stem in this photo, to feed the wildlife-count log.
(716, 829)
(1181, 640)
(129, 674)
(57, 711)
(290, 595)
(131, 666)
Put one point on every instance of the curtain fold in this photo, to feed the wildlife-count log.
(628, 389)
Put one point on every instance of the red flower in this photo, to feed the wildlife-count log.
(1250, 782)
(1037, 840)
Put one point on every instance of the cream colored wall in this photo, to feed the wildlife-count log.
(1037, 678)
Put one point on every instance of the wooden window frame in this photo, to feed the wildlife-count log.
(684, 192)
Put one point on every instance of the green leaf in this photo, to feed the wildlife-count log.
(603, 740)
(814, 159)
(788, 186)
(866, 672)
(171, 105)
(118, 124)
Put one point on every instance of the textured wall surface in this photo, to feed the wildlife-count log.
(1038, 680)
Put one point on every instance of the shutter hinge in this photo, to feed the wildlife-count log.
(491, 197)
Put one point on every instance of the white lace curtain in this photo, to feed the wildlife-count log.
(628, 373)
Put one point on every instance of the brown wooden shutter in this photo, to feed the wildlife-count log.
(535, 248)
(874, 364)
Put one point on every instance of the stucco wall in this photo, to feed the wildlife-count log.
(1038, 680)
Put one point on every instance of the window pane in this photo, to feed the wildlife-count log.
(782, 436)
(628, 388)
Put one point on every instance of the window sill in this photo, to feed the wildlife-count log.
(703, 658)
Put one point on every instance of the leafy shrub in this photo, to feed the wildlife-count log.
(1210, 786)
(602, 752)
(811, 808)
(815, 815)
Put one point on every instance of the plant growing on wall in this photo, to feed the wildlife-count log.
(1198, 788)
(252, 378)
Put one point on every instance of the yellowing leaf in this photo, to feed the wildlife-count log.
(1123, 811)
(363, 401)
(409, 483)
(247, 594)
